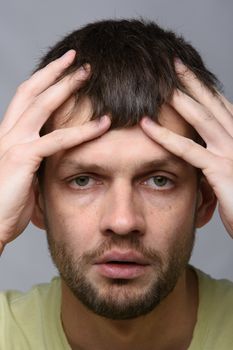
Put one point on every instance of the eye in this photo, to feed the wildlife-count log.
(158, 182)
(82, 181)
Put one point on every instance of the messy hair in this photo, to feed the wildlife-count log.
(132, 67)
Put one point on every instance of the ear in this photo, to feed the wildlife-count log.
(37, 217)
(206, 203)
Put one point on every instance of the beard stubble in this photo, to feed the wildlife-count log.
(122, 299)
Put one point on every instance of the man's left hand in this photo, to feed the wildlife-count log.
(212, 117)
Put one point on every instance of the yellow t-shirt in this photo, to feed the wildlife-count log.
(31, 321)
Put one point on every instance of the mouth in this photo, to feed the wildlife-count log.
(121, 265)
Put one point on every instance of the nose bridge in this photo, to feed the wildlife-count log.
(122, 214)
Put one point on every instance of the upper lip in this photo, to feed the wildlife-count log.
(127, 256)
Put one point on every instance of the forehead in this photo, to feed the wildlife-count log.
(70, 114)
(127, 144)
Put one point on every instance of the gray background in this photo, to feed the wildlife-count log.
(28, 27)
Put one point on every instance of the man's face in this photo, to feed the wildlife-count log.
(121, 194)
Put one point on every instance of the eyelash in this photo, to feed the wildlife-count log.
(157, 188)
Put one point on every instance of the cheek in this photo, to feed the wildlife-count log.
(170, 221)
(72, 223)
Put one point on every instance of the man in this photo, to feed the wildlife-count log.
(120, 196)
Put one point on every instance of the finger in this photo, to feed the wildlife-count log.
(181, 146)
(32, 87)
(48, 75)
(209, 128)
(227, 103)
(46, 103)
(62, 139)
(206, 97)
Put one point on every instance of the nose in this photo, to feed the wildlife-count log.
(123, 212)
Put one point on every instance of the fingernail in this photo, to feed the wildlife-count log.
(178, 61)
(147, 121)
(179, 65)
(84, 70)
(80, 74)
(69, 54)
(103, 120)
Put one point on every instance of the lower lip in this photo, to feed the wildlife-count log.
(125, 271)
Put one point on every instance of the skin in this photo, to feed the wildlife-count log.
(21, 151)
(82, 219)
(21, 147)
(211, 116)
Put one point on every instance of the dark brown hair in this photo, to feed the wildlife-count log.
(132, 65)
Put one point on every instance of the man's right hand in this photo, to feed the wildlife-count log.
(21, 147)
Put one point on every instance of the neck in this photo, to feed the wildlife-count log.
(169, 326)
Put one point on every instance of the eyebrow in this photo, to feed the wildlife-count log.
(142, 167)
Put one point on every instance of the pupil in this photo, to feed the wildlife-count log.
(160, 181)
(82, 180)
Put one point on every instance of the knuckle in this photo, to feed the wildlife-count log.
(26, 88)
(36, 104)
(187, 147)
(207, 115)
(23, 87)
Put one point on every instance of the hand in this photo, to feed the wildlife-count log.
(212, 117)
(21, 147)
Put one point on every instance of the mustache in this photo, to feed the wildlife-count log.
(124, 243)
